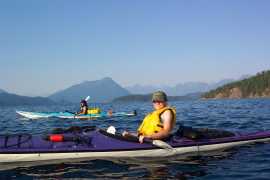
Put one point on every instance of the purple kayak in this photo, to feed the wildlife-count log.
(91, 142)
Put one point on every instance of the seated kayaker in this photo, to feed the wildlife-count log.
(159, 123)
(110, 112)
(83, 107)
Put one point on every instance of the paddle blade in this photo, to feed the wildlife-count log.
(87, 98)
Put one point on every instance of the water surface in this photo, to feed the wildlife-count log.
(246, 162)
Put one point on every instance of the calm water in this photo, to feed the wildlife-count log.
(247, 162)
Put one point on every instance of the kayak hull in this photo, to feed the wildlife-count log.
(97, 144)
(69, 115)
(28, 157)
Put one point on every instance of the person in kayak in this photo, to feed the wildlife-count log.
(158, 124)
(83, 107)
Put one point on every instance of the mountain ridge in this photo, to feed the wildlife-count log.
(107, 90)
(253, 87)
(2, 91)
(180, 89)
(9, 99)
(102, 90)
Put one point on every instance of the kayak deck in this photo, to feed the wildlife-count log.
(97, 143)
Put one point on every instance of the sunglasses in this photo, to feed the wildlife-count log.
(157, 101)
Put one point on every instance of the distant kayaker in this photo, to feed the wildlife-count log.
(83, 107)
(159, 123)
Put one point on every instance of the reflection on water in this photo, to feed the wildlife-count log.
(109, 169)
(176, 167)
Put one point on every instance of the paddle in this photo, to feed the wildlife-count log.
(157, 143)
(162, 144)
(87, 98)
(69, 112)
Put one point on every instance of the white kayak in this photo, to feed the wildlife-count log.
(70, 115)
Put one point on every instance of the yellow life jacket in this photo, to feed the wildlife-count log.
(94, 111)
(152, 122)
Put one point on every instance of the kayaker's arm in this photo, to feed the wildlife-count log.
(168, 124)
(83, 111)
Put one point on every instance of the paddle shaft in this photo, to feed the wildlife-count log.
(157, 143)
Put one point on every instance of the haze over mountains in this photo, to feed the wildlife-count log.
(180, 89)
(106, 90)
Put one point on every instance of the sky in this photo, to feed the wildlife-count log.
(47, 46)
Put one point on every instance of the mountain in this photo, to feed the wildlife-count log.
(103, 90)
(2, 91)
(186, 88)
(252, 87)
(180, 89)
(142, 89)
(13, 99)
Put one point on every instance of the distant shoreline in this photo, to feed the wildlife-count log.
(147, 98)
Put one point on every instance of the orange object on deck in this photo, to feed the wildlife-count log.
(56, 138)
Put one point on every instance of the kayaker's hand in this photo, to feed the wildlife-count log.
(141, 137)
(125, 133)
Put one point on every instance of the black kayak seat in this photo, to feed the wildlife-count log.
(202, 133)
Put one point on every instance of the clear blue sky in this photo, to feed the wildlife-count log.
(50, 45)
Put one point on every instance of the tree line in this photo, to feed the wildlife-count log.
(258, 85)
